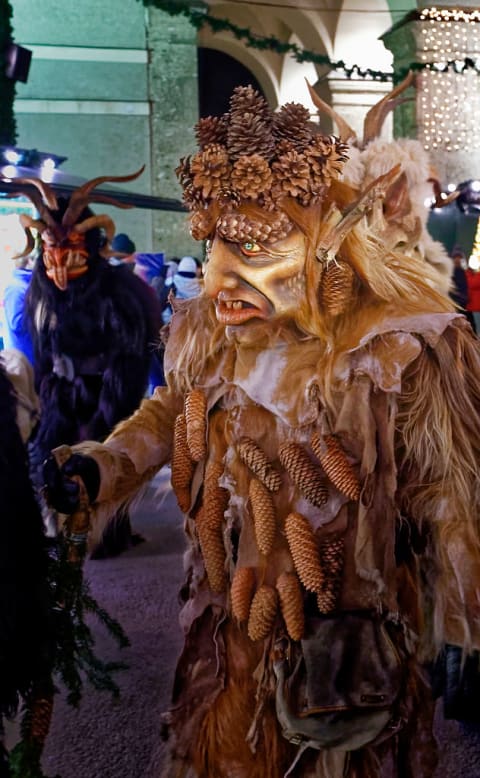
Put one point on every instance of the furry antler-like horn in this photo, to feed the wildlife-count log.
(379, 112)
(82, 196)
(346, 133)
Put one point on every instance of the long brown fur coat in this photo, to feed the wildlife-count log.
(397, 385)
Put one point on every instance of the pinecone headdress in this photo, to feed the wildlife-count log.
(253, 155)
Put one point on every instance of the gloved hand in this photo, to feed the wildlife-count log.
(63, 493)
(457, 680)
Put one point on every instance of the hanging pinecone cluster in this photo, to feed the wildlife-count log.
(259, 156)
(316, 565)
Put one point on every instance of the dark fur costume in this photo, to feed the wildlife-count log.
(93, 344)
(25, 628)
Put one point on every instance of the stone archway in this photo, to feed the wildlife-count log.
(225, 72)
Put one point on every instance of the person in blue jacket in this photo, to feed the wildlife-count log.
(16, 333)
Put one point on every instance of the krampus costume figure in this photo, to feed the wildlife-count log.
(321, 416)
(94, 327)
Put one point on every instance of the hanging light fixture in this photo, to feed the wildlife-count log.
(449, 96)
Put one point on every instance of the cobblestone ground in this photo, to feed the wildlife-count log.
(106, 738)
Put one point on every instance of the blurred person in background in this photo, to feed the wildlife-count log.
(185, 284)
(15, 331)
(473, 303)
(121, 250)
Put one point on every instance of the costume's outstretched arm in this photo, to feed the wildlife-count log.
(137, 448)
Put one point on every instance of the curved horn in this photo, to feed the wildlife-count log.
(48, 195)
(101, 220)
(81, 197)
(35, 198)
(441, 202)
(98, 198)
(345, 131)
(29, 224)
(378, 112)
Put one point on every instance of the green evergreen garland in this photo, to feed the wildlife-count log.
(74, 655)
(197, 13)
(8, 130)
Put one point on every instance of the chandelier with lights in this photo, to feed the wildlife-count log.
(449, 96)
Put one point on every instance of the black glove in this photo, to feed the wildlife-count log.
(457, 680)
(61, 492)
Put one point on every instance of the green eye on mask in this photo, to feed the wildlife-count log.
(250, 247)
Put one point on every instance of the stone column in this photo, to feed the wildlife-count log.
(173, 95)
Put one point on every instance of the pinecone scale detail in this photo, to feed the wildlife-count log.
(263, 612)
(264, 518)
(291, 604)
(256, 460)
(332, 457)
(305, 474)
(196, 420)
(305, 552)
(241, 592)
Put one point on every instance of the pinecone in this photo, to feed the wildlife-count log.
(183, 171)
(263, 611)
(192, 197)
(304, 473)
(40, 719)
(183, 466)
(200, 225)
(291, 123)
(336, 287)
(248, 134)
(256, 460)
(196, 418)
(246, 99)
(332, 552)
(211, 130)
(241, 592)
(291, 176)
(315, 155)
(304, 551)
(238, 227)
(336, 465)
(215, 501)
(182, 463)
(284, 147)
(210, 170)
(251, 176)
(228, 198)
(335, 159)
(264, 519)
(291, 604)
(213, 552)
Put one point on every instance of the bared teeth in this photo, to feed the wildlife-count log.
(235, 304)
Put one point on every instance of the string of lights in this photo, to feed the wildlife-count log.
(450, 35)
